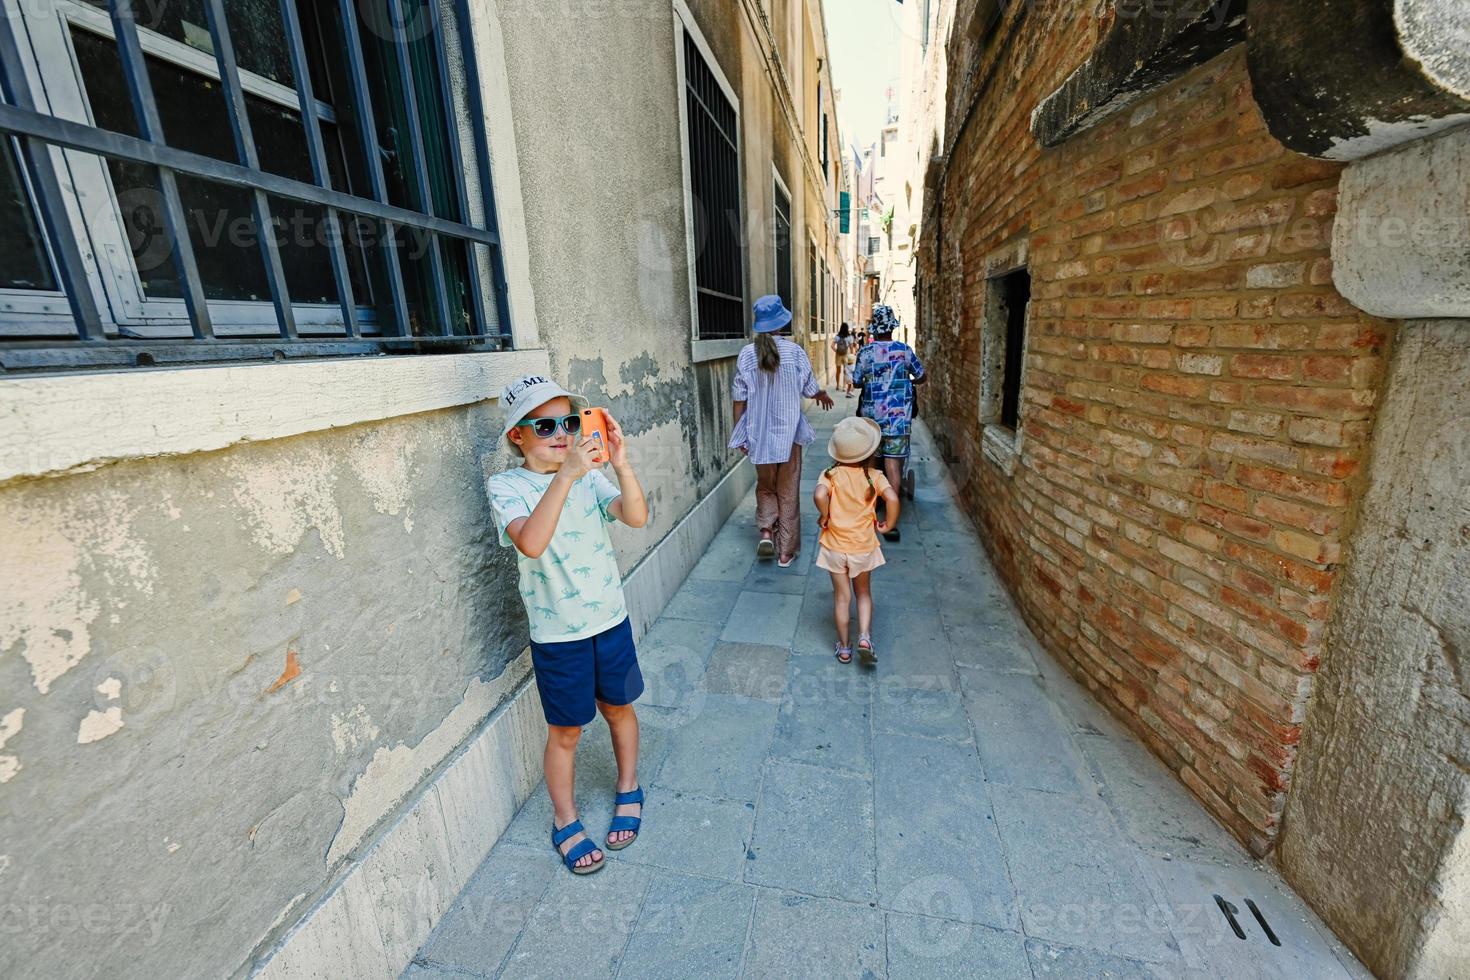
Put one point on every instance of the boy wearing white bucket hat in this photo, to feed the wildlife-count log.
(554, 510)
(847, 497)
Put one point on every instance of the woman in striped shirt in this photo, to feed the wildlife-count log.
(772, 376)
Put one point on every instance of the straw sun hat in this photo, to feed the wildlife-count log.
(854, 440)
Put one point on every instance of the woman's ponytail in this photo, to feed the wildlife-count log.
(768, 353)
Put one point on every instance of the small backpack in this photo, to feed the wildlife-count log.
(842, 345)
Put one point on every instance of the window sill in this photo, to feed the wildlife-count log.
(716, 350)
(52, 424)
(1001, 446)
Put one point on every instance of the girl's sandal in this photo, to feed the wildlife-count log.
(579, 850)
(634, 795)
(843, 654)
(767, 546)
(866, 651)
(785, 561)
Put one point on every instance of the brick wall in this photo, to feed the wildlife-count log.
(1196, 406)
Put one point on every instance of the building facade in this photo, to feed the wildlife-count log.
(264, 700)
(1192, 285)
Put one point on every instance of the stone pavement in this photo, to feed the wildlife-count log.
(964, 810)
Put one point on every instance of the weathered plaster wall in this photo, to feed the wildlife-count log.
(222, 673)
(219, 671)
(597, 128)
(1375, 833)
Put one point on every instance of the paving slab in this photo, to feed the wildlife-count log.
(921, 948)
(801, 936)
(814, 833)
(672, 657)
(751, 670)
(938, 850)
(702, 600)
(824, 717)
(719, 752)
(1079, 881)
(689, 927)
(482, 925)
(1053, 961)
(1022, 740)
(763, 617)
(903, 710)
(693, 834)
(581, 924)
(1155, 810)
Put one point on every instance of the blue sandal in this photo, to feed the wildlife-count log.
(579, 850)
(634, 795)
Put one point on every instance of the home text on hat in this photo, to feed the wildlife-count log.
(518, 388)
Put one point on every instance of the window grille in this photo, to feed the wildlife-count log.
(714, 181)
(275, 179)
(783, 245)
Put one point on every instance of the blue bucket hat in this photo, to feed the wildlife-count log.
(770, 314)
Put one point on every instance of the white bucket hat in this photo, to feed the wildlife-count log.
(523, 395)
(854, 440)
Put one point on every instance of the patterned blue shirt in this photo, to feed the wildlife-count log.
(886, 370)
(574, 590)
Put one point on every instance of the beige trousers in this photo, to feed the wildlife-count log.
(778, 502)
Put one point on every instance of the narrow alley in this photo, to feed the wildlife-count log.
(965, 810)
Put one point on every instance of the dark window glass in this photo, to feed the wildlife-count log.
(783, 246)
(23, 260)
(812, 302)
(1017, 287)
(439, 197)
(714, 180)
(256, 31)
(191, 108)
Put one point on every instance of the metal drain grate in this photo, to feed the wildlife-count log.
(1232, 916)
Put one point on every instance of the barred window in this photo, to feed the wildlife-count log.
(714, 184)
(251, 179)
(782, 242)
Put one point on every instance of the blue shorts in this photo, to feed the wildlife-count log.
(572, 677)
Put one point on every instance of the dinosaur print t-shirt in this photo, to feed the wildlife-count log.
(574, 590)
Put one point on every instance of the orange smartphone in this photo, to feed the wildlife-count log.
(594, 426)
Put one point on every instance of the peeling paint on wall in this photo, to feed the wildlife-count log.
(46, 610)
(287, 496)
(395, 772)
(9, 764)
(99, 725)
(353, 729)
(382, 460)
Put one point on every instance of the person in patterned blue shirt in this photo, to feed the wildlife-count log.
(554, 510)
(887, 371)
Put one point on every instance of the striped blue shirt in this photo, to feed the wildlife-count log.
(773, 421)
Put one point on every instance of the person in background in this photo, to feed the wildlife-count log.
(844, 345)
(887, 371)
(772, 376)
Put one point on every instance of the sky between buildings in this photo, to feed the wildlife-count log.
(864, 38)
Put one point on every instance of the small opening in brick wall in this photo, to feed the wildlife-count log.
(1007, 299)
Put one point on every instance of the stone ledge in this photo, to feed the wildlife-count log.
(1140, 51)
(54, 424)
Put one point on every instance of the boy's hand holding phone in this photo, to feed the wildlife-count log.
(582, 458)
